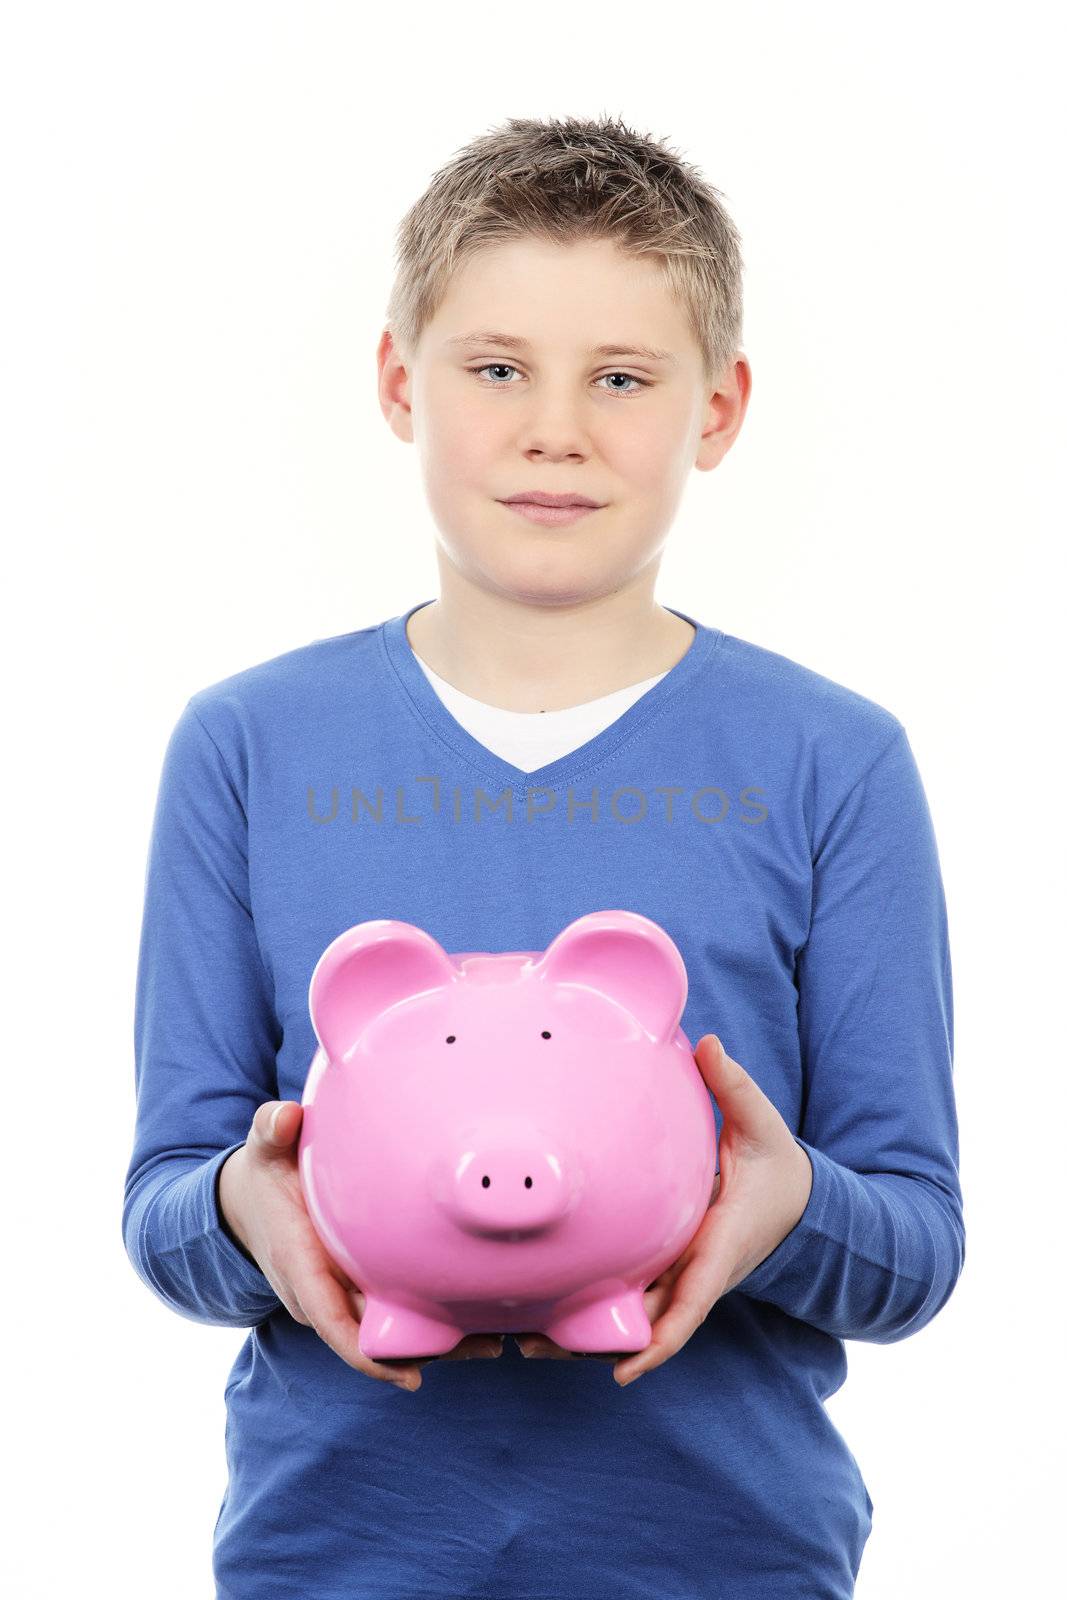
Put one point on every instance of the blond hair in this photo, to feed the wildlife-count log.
(565, 179)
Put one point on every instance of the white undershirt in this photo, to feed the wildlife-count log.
(531, 739)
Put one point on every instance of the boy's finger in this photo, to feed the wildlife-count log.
(328, 1306)
(541, 1346)
(482, 1344)
(547, 1349)
(274, 1127)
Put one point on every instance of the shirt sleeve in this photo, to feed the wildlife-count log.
(881, 1243)
(206, 1039)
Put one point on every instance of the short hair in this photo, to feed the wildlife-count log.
(566, 179)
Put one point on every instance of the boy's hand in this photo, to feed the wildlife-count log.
(760, 1193)
(262, 1206)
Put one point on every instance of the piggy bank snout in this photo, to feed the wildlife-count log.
(503, 1181)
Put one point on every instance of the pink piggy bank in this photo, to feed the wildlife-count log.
(504, 1142)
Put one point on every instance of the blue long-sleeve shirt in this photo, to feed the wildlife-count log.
(775, 824)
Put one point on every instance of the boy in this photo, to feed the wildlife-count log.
(547, 741)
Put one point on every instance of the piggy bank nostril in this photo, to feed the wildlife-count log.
(529, 1183)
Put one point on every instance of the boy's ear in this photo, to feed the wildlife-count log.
(364, 971)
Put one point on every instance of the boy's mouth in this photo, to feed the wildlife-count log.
(553, 516)
(541, 497)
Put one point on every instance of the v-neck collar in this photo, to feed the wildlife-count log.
(396, 647)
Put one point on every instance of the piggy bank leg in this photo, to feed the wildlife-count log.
(388, 1331)
(617, 1322)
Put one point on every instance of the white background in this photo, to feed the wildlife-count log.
(199, 203)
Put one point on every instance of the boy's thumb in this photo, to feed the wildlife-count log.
(277, 1125)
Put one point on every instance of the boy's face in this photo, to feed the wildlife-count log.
(555, 416)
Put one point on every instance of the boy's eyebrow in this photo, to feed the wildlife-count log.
(512, 341)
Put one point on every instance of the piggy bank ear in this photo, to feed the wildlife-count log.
(364, 971)
(627, 957)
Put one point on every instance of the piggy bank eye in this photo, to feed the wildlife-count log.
(451, 1039)
(545, 1034)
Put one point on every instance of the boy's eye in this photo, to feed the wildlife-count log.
(504, 366)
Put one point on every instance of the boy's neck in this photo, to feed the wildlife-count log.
(541, 658)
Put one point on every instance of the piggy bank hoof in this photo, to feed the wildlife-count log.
(392, 1331)
(619, 1324)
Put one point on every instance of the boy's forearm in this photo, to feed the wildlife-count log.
(874, 1258)
(176, 1240)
